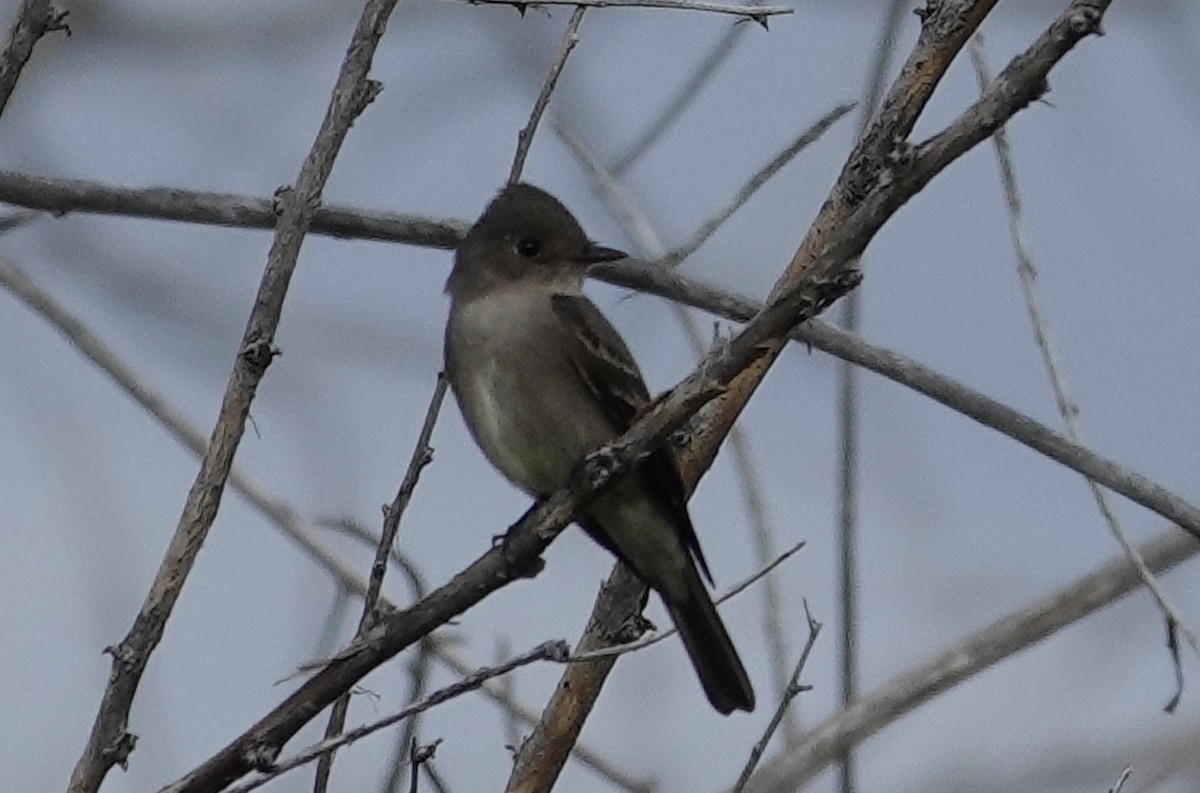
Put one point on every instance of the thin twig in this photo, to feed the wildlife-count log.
(1122, 778)
(435, 778)
(422, 456)
(547, 651)
(708, 227)
(1068, 408)
(966, 658)
(606, 769)
(427, 650)
(757, 14)
(109, 742)
(793, 689)
(512, 731)
(525, 136)
(418, 671)
(327, 639)
(849, 425)
(35, 19)
(418, 758)
(762, 573)
(414, 777)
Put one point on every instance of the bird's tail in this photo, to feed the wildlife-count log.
(712, 652)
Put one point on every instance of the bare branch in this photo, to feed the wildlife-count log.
(757, 14)
(965, 659)
(789, 693)
(64, 196)
(939, 387)
(849, 426)
(547, 651)
(35, 19)
(1020, 83)
(419, 758)
(109, 742)
(435, 779)
(615, 619)
(1122, 778)
(525, 135)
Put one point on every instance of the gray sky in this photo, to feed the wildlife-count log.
(960, 525)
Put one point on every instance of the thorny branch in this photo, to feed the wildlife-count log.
(110, 742)
(758, 14)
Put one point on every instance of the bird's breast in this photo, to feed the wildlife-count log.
(511, 382)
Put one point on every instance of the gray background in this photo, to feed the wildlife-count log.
(959, 524)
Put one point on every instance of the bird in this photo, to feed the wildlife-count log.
(542, 378)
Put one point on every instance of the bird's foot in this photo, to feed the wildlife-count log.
(518, 567)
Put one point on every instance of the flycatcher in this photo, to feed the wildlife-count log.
(542, 379)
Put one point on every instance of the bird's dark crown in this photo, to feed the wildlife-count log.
(524, 214)
(525, 233)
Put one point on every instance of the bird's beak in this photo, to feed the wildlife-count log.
(598, 254)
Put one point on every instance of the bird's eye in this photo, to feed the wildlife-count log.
(528, 247)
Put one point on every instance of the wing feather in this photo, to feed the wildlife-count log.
(607, 368)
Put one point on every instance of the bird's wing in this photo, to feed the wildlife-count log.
(607, 368)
